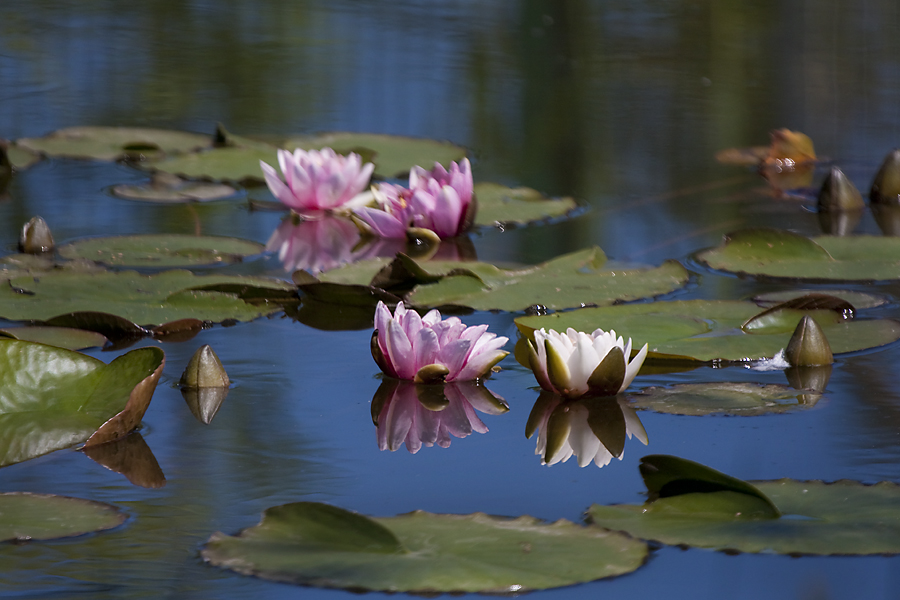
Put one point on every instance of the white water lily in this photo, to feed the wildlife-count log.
(575, 363)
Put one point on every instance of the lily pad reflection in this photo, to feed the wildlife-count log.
(591, 429)
(724, 398)
(424, 415)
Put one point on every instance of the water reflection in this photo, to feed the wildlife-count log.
(129, 456)
(417, 414)
(592, 429)
(204, 402)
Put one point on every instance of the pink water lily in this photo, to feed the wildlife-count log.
(575, 363)
(439, 200)
(428, 349)
(319, 180)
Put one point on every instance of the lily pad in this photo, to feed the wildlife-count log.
(20, 158)
(783, 254)
(170, 189)
(576, 279)
(859, 300)
(143, 299)
(51, 398)
(114, 143)
(62, 337)
(501, 205)
(723, 398)
(321, 545)
(845, 517)
(163, 250)
(234, 163)
(27, 517)
(708, 330)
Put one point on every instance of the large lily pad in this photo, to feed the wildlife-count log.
(114, 143)
(500, 205)
(27, 517)
(845, 517)
(161, 250)
(51, 398)
(317, 544)
(142, 299)
(171, 189)
(237, 158)
(723, 398)
(576, 279)
(63, 337)
(784, 254)
(708, 330)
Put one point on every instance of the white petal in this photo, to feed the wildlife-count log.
(631, 370)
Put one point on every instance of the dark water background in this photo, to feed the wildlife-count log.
(620, 104)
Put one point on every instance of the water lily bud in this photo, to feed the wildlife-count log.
(36, 237)
(839, 194)
(204, 370)
(808, 345)
(433, 373)
(886, 185)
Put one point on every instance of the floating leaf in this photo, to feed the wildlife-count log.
(62, 337)
(238, 164)
(114, 143)
(130, 456)
(138, 298)
(784, 316)
(51, 398)
(707, 330)
(161, 250)
(316, 544)
(723, 398)
(28, 517)
(751, 156)
(778, 253)
(171, 189)
(789, 148)
(571, 280)
(859, 300)
(500, 205)
(18, 157)
(845, 517)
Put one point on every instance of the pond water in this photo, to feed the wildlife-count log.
(621, 105)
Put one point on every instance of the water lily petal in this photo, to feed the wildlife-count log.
(633, 367)
(399, 351)
(557, 369)
(381, 222)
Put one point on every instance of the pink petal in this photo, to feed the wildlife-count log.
(382, 224)
(453, 356)
(399, 351)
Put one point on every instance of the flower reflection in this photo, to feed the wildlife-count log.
(591, 429)
(315, 245)
(419, 414)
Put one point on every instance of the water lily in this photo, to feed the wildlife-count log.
(415, 414)
(439, 200)
(594, 430)
(319, 180)
(575, 363)
(428, 349)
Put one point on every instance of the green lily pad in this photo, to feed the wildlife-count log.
(36, 295)
(393, 155)
(63, 337)
(164, 250)
(501, 205)
(20, 158)
(576, 279)
(170, 189)
(845, 517)
(860, 300)
(52, 398)
(28, 517)
(783, 254)
(233, 163)
(708, 330)
(321, 545)
(114, 143)
(723, 398)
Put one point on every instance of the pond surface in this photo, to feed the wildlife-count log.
(622, 105)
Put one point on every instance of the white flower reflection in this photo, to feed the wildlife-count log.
(591, 429)
(424, 415)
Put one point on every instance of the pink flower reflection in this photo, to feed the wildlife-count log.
(591, 429)
(417, 414)
(315, 245)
